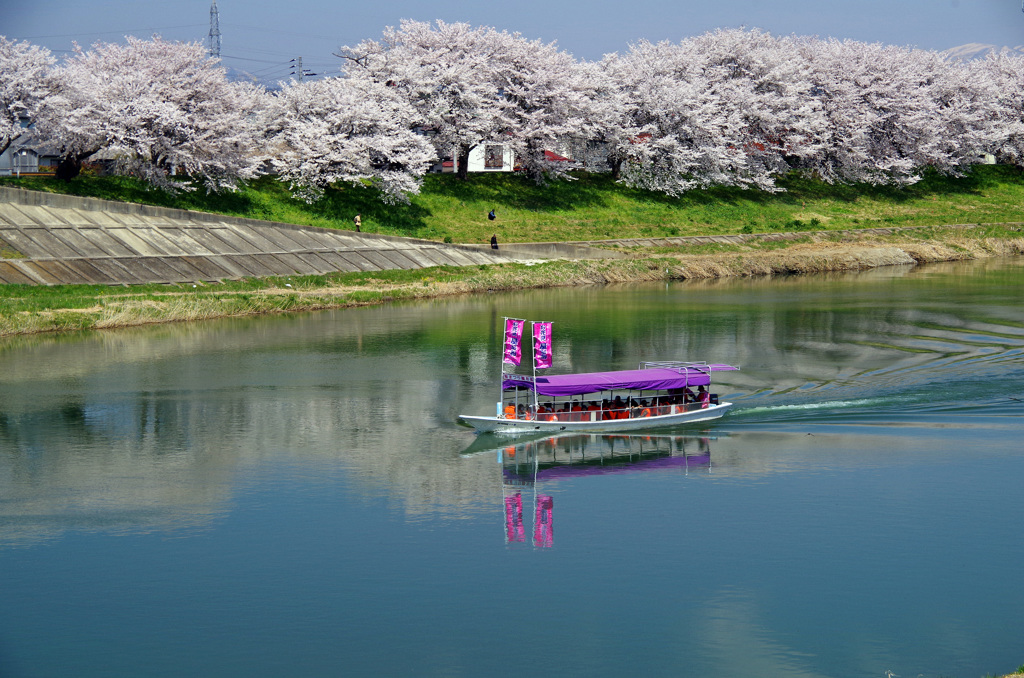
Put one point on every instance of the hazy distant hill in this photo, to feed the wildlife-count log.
(273, 84)
(977, 50)
(237, 74)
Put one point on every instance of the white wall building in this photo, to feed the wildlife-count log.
(486, 157)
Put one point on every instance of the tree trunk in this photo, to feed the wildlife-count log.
(535, 161)
(616, 165)
(71, 165)
(463, 161)
(69, 168)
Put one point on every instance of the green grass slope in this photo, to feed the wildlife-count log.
(593, 207)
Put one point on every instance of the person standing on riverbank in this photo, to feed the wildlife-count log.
(494, 241)
(358, 221)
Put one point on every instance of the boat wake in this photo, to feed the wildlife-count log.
(917, 406)
(740, 411)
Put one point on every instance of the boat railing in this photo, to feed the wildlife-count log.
(677, 365)
(634, 411)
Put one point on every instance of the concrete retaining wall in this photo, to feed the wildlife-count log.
(51, 239)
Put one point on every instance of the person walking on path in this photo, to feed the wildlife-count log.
(494, 241)
(358, 221)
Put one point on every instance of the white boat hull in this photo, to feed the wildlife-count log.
(523, 426)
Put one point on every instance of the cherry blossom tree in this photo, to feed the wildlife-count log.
(338, 129)
(1002, 75)
(726, 108)
(967, 123)
(24, 83)
(445, 72)
(471, 85)
(742, 108)
(764, 85)
(885, 119)
(550, 102)
(704, 115)
(158, 108)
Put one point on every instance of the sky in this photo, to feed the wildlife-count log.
(261, 37)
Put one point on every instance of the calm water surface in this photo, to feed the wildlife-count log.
(292, 496)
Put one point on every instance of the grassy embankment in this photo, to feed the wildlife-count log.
(594, 207)
(591, 208)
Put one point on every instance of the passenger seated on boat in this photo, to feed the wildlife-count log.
(510, 411)
(524, 413)
(657, 405)
(542, 412)
(645, 411)
(678, 404)
(618, 408)
(689, 396)
(606, 410)
(704, 397)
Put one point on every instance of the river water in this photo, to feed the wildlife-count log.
(292, 496)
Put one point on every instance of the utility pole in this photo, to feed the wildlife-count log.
(298, 70)
(213, 39)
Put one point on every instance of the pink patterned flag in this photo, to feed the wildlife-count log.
(513, 341)
(541, 345)
(514, 529)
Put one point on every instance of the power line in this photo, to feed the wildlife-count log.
(280, 32)
(118, 32)
(262, 61)
(256, 50)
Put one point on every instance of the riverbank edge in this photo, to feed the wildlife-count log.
(123, 307)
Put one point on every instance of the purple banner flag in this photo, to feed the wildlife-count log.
(513, 341)
(541, 345)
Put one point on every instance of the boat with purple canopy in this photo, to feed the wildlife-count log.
(656, 395)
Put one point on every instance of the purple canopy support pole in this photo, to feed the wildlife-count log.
(501, 368)
(534, 362)
(533, 332)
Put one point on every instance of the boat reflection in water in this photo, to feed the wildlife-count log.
(527, 467)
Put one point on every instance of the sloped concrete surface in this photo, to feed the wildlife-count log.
(48, 239)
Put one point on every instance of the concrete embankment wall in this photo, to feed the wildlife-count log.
(51, 239)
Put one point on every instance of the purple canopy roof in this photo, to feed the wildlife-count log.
(573, 470)
(652, 379)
